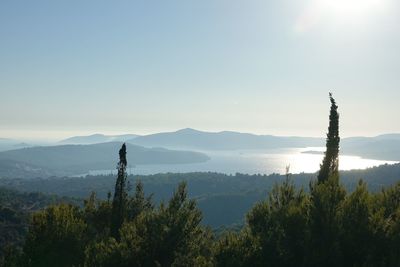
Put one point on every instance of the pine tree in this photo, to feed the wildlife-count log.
(330, 164)
(120, 200)
(138, 203)
(56, 237)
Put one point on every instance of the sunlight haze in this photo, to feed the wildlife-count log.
(265, 67)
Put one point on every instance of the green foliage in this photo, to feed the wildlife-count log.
(168, 236)
(56, 237)
(97, 216)
(106, 252)
(325, 227)
(386, 220)
(12, 256)
(120, 200)
(236, 249)
(138, 203)
(357, 228)
(223, 199)
(15, 210)
(279, 225)
(130, 231)
(330, 163)
(326, 202)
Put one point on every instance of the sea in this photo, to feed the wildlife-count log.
(254, 162)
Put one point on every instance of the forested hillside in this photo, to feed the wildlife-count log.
(321, 224)
(223, 199)
(283, 229)
(15, 211)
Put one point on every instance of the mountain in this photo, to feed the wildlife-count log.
(78, 159)
(21, 145)
(7, 144)
(19, 169)
(97, 138)
(384, 147)
(226, 140)
(393, 136)
(380, 147)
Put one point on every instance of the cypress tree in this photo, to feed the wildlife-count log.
(330, 163)
(119, 204)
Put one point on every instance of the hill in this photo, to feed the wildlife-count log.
(15, 213)
(383, 147)
(97, 138)
(77, 159)
(7, 144)
(226, 140)
(223, 199)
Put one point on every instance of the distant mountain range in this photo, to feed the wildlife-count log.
(7, 144)
(226, 140)
(97, 138)
(79, 154)
(77, 159)
(382, 147)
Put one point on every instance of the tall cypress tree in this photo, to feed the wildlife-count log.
(330, 164)
(119, 204)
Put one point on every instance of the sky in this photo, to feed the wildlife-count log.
(266, 67)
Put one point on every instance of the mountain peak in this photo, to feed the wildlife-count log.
(93, 135)
(97, 138)
(188, 130)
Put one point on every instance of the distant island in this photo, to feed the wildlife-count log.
(44, 161)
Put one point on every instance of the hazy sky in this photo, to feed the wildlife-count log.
(77, 67)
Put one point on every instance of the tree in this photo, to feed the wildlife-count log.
(97, 214)
(168, 236)
(138, 203)
(326, 197)
(56, 237)
(236, 249)
(386, 221)
(330, 163)
(182, 241)
(357, 227)
(326, 201)
(119, 205)
(279, 226)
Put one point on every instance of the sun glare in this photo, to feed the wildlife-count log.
(354, 9)
(346, 12)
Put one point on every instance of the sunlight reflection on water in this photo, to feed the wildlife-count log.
(255, 162)
(302, 162)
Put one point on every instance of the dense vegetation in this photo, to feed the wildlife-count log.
(290, 228)
(325, 226)
(223, 199)
(15, 211)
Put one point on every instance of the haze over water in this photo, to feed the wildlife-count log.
(254, 162)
